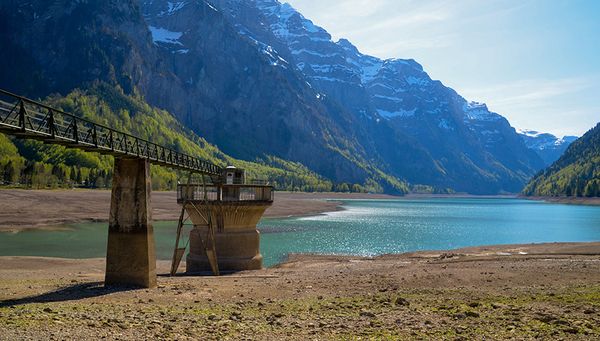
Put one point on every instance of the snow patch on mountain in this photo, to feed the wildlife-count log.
(330, 79)
(445, 124)
(393, 99)
(165, 36)
(270, 53)
(286, 26)
(414, 80)
(479, 112)
(537, 140)
(399, 113)
(301, 51)
(173, 7)
(489, 132)
(370, 70)
(548, 146)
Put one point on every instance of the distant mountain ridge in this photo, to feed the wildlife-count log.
(262, 82)
(548, 146)
(575, 173)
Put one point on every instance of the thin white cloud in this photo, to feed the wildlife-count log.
(358, 8)
(393, 28)
(405, 44)
(411, 20)
(557, 106)
(531, 92)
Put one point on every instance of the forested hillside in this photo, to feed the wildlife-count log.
(575, 173)
(30, 163)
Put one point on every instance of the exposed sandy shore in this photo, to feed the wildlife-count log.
(566, 200)
(41, 208)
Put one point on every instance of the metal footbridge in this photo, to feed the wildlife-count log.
(29, 119)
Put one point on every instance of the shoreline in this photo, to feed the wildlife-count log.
(592, 201)
(21, 268)
(288, 204)
(544, 251)
(30, 209)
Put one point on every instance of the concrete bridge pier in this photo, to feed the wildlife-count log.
(130, 256)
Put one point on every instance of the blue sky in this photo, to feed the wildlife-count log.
(535, 62)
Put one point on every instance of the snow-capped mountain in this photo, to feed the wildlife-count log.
(256, 105)
(548, 146)
(463, 137)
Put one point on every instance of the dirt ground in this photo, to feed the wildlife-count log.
(507, 292)
(42, 208)
(519, 292)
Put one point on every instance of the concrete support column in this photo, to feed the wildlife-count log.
(130, 258)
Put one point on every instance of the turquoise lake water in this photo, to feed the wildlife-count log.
(364, 227)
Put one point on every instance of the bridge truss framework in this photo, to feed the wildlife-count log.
(29, 119)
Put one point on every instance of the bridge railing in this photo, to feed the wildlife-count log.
(29, 119)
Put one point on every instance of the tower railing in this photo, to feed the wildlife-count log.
(246, 193)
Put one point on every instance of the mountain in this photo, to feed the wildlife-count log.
(224, 89)
(264, 84)
(548, 146)
(477, 150)
(575, 173)
(238, 87)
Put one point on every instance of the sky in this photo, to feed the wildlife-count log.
(535, 62)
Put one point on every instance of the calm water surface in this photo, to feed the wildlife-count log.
(365, 227)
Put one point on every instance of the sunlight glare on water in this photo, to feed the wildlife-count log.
(372, 227)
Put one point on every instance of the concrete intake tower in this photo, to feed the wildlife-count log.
(225, 217)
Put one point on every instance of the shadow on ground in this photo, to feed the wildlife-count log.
(70, 293)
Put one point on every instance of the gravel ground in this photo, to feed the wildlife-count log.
(512, 292)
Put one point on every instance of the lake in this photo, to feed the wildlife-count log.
(364, 228)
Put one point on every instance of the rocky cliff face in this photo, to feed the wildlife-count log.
(69, 43)
(188, 59)
(246, 98)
